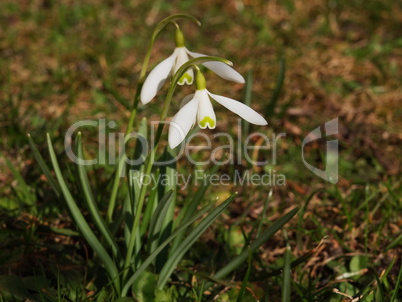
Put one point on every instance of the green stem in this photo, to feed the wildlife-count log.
(161, 25)
(150, 159)
(116, 180)
(148, 167)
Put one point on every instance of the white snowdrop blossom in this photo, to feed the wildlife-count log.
(169, 66)
(198, 107)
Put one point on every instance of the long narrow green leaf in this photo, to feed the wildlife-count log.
(286, 289)
(169, 172)
(157, 220)
(380, 292)
(264, 213)
(192, 201)
(135, 175)
(175, 257)
(64, 232)
(150, 207)
(151, 257)
(397, 285)
(29, 198)
(129, 212)
(140, 146)
(394, 242)
(265, 236)
(246, 277)
(277, 272)
(81, 222)
(42, 164)
(190, 206)
(279, 83)
(91, 203)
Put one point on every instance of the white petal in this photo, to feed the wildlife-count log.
(182, 122)
(221, 69)
(157, 78)
(240, 109)
(206, 114)
(186, 99)
(182, 57)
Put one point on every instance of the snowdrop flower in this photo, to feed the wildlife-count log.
(181, 55)
(198, 107)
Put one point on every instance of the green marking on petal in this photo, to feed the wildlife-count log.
(186, 78)
(207, 121)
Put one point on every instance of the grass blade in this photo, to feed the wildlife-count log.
(150, 207)
(45, 169)
(286, 289)
(157, 220)
(149, 260)
(246, 277)
(29, 198)
(190, 206)
(169, 173)
(279, 83)
(178, 254)
(91, 203)
(397, 286)
(81, 222)
(268, 233)
(394, 243)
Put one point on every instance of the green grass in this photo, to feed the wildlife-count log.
(61, 62)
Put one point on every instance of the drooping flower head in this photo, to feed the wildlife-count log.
(169, 66)
(198, 108)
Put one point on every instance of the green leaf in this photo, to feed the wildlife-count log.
(45, 169)
(157, 220)
(394, 243)
(168, 183)
(178, 254)
(190, 206)
(91, 203)
(36, 283)
(28, 197)
(12, 287)
(246, 277)
(286, 289)
(358, 262)
(101, 296)
(279, 83)
(140, 145)
(397, 285)
(151, 257)
(150, 207)
(81, 222)
(265, 236)
(167, 294)
(124, 299)
(144, 287)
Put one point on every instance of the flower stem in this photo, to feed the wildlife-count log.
(160, 26)
(148, 167)
(151, 157)
(116, 180)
